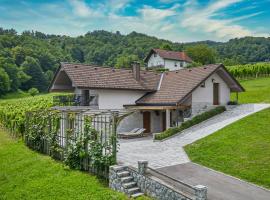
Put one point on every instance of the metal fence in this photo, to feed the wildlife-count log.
(93, 133)
(75, 100)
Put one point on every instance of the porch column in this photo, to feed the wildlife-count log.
(168, 119)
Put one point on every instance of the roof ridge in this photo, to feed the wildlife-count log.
(107, 67)
(190, 68)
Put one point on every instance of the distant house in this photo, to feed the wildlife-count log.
(160, 99)
(171, 60)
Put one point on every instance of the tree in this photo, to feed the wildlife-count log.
(202, 53)
(4, 82)
(18, 55)
(49, 76)
(125, 61)
(166, 46)
(32, 68)
(77, 54)
(12, 70)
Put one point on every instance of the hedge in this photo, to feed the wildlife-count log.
(195, 120)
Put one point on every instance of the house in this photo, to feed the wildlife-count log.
(171, 60)
(161, 100)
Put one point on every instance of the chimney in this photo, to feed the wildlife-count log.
(136, 70)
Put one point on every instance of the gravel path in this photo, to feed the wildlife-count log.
(170, 152)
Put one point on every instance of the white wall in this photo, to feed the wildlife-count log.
(204, 95)
(115, 99)
(174, 64)
(130, 122)
(78, 91)
(155, 61)
(156, 121)
(168, 64)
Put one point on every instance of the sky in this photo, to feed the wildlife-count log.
(175, 20)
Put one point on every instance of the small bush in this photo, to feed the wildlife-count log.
(195, 120)
(33, 91)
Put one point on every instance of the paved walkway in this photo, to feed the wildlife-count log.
(171, 152)
(219, 186)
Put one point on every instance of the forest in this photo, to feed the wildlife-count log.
(28, 60)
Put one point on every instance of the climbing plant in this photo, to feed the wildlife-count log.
(71, 137)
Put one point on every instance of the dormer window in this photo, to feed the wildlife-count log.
(155, 55)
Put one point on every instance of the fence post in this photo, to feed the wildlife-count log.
(114, 127)
(142, 166)
(200, 192)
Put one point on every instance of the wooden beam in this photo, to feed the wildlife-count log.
(155, 107)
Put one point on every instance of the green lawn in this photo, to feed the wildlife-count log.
(25, 174)
(257, 91)
(241, 149)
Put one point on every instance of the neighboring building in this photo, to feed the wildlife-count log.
(160, 99)
(171, 60)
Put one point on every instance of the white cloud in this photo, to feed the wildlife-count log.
(81, 9)
(149, 13)
(196, 18)
(190, 21)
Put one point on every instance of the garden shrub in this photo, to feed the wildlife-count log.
(33, 91)
(195, 120)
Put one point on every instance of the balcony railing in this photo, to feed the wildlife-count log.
(74, 100)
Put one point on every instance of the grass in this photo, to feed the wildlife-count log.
(257, 91)
(241, 149)
(25, 174)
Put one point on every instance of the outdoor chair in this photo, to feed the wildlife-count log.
(137, 132)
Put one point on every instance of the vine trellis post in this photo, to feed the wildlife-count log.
(83, 139)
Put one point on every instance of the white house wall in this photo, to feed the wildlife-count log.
(115, 99)
(155, 61)
(174, 64)
(156, 121)
(78, 91)
(130, 122)
(203, 96)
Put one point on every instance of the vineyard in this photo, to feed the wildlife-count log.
(250, 70)
(12, 111)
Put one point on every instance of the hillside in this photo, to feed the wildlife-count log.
(31, 58)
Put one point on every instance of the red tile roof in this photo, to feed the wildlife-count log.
(172, 55)
(176, 85)
(168, 88)
(90, 76)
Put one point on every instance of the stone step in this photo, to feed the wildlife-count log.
(123, 174)
(119, 168)
(133, 190)
(136, 195)
(127, 179)
(129, 185)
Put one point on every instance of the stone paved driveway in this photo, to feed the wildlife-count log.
(171, 152)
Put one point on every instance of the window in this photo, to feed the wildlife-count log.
(181, 64)
(155, 55)
(175, 64)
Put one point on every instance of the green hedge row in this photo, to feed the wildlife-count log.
(195, 120)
